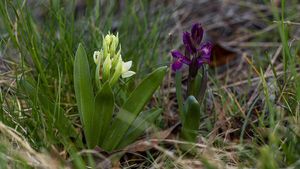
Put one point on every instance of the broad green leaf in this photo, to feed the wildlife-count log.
(132, 107)
(138, 127)
(84, 93)
(104, 106)
(192, 119)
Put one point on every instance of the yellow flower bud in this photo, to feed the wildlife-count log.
(97, 57)
(118, 71)
(106, 68)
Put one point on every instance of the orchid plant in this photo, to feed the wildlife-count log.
(196, 55)
(105, 125)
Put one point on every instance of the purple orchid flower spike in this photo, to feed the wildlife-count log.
(197, 53)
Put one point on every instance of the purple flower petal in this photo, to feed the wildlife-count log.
(206, 49)
(180, 57)
(203, 59)
(185, 60)
(187, 41)
(200, 62)
(205, 56)
(176, 65)
(176, 54)
(197, 33)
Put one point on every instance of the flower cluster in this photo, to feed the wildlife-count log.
(196, 53)
(110, 65)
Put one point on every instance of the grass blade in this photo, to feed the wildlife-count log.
(59, 121)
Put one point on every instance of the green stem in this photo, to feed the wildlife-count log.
(203, 86)
(178, 78)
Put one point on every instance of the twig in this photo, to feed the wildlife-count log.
(288, 22)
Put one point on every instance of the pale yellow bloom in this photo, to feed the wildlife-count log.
(125, 69)
(110, 65)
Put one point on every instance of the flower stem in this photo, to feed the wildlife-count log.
(179, 97)
(203, 85)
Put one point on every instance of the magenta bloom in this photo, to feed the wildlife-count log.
(197, 53)
(180, 60)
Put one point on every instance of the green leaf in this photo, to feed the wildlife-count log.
(84, 93)
(132, 107)
(195, 84)
(192, 119)
(104, 106)
(140, 124)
